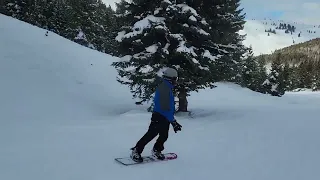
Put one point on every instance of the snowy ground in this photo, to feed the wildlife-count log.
(63, 116)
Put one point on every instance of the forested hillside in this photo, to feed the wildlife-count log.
(88, 22)
(300, 62)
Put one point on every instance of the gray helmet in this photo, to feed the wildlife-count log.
(170, 73)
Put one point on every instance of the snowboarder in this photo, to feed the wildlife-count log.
(162, 117)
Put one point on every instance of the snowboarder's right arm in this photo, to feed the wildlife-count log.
(164, 97)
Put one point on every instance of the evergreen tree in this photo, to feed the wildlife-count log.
(292, 81)
(110, 27)
(3, 7)
(56, 17)
(254, 73)
(285, 76)
(121, 21)
(249, 71)
(305, 74)
(315, 83)
(48, 14)
(275, 84)
(225, 19)
(17, 8)
(165, 34)
(316, 77)
(261, 76)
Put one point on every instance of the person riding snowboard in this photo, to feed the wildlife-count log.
(162, 117)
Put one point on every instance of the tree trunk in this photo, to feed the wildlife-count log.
(183, 102)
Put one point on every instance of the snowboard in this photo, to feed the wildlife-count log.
(127, 161)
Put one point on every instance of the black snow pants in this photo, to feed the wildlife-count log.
(159, 125)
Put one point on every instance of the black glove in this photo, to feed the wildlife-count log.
(176, 126)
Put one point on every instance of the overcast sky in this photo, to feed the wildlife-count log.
(307, 11)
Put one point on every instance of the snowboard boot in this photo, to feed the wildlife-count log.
(135, 155)
(157, 154)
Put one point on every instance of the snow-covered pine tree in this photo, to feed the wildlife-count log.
(59, 20)
(164, 33)
(316, 77)
(249, 71)
(48, 14)
(88, 23)
(234, 18)
(109, 24)
(285, 76)
(121, 21)
(87, 19)
(226, 20)
(305, 74)
(274, 84)
(253, 72)
(54, 13)
(293, 78)
(102, 25)
(261, 76)
(315, 83)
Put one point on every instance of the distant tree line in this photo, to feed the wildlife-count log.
(304, 75)
(271, 31)
(287, 27)
(282, 26)
(311, 32)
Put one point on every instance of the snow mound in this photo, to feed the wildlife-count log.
(55, 72)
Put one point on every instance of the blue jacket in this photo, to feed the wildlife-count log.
(164, 100)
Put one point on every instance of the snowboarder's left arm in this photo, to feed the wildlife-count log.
(166, 102)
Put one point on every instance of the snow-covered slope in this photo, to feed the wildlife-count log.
(63, 116)
(264, 44)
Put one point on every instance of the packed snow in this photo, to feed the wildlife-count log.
(183, 48)
(201, 31)
(167, 1)
(126, 58)
(64, 116)
(192, 18)
(157, 11)
(207, 54)
(120, 36)
(185, 9)
(204, 22)
(152, 49)
(165, 49)
(139, 27)
(185, 25)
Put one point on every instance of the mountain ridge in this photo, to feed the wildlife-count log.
(308, 51)
(267, 36)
